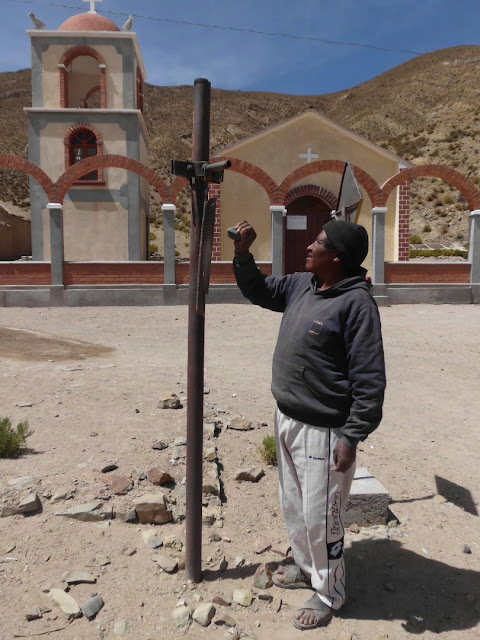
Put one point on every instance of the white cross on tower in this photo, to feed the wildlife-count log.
(309, 155)
(92, 5)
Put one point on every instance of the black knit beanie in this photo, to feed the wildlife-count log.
(349, 240)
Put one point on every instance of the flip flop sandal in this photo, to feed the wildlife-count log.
(322, 611)
(292, 578)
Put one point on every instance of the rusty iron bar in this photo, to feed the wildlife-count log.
(196, 337)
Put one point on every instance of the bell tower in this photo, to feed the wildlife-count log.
(87, 99)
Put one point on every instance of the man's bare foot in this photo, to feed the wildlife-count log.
(314, 613)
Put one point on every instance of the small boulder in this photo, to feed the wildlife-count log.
(262, 578)
(169, 401)
(151, 508)
(159, 477)
(240, 424)
(204, 613)
(30, 504)
(165, 562)
(182, 617)
(77, 577)
(66, 603)
(119, 484)
(91, 607)
(242, 597)
(253, 474)
(89, 512)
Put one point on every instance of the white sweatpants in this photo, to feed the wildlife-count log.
(313, 500)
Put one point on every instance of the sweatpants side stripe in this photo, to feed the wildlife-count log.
(328, 508)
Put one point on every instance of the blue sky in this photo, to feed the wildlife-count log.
(176, 54)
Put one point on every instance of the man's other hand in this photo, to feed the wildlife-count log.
(343, 457)
(248, 235)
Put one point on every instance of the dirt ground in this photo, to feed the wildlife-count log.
(87, 371)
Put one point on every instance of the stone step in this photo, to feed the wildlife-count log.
(368, 502)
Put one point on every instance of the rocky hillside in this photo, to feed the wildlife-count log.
(425, 110)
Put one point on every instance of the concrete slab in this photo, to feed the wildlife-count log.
(368, 502)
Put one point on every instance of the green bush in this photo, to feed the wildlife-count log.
(12, 441)
(435, 253)
(153, 248)
(427, 228)
(415, 239)
(268, 451)
(152, 235)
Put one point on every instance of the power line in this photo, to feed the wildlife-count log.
(258, 32)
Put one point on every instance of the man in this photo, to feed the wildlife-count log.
(328, 380)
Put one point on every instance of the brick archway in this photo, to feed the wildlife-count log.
(19, 164)
(466, 187)
(255, 173)
(71, 175)
(67, 59)
(333, 166)
(311, 190)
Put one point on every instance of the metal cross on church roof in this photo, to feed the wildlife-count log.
(92, 5)
(309, 155)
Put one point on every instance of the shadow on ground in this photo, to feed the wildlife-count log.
(387, 582)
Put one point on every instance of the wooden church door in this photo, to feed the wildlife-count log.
(306, 216)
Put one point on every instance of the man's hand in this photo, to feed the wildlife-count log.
(248, 236)
(343, 457)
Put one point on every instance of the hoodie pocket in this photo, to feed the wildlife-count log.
(289, 386)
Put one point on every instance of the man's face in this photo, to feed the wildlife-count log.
(318, 257)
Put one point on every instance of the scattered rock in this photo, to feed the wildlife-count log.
(204, 613)
(226, 621)
(389, 586)
(23, 482)
(93, 434)
(88, 512)
(91, 607)
(211, 486)
(151, 538)
(262, 578)
(182, 617)
(110, 466)
(261, 545)
(243, 597)
(159, 477)
(151, 508)
(10, 547)
(223, 564)
(265, 595)
(6, 510)
(210, 454)
(253, 474)
(354, 528)
(222, 600)
(102, 560)
(179, 452)
(66, 603)
(239, 561)
(77, 576)
(466, 549)
(63, 494)
(215, 537)
(159, 444)
(29, 504)
(121, 627)
(126, 516)
(119, 484)
(439, 498)
(34, 614)
(173, 542)
(169, 401)
(240, 424)
(165, 562)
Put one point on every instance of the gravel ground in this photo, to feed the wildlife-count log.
(101, 371)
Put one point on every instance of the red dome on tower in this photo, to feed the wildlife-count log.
(88, 22)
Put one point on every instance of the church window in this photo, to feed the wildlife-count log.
(83, 142)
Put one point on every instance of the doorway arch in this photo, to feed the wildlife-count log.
(306, 215)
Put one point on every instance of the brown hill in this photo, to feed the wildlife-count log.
(425, 110)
